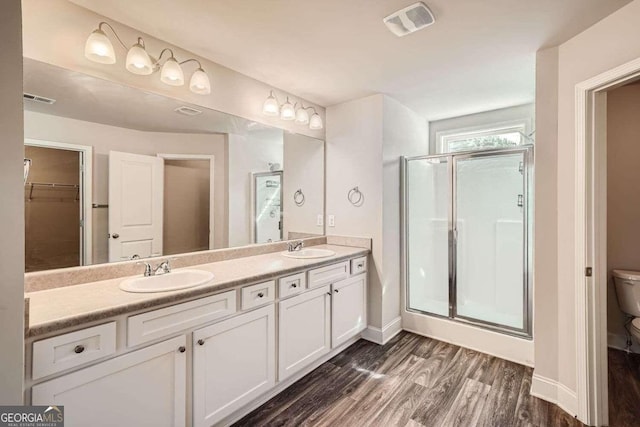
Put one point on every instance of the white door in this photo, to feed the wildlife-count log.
(135, 205)
(304, 330)
(144, 388)
(349, 309)
(233, 363)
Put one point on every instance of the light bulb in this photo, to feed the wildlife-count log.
(302, 116)
(138, 61)
(270, 106)
(99, 48)
(171, 73)
(199, 83)
(287, 111)
(315, 122)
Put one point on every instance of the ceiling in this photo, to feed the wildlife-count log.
(478, 56)
(82, 97)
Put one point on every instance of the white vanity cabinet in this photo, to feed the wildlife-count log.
(233, 363)
(349, 309)
(146, 387)
(304, 330)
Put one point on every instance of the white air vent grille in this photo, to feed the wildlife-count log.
(187, 111)
(410, 19)
(36, 98)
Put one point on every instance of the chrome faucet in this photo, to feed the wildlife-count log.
(163, 268)
(295, 246)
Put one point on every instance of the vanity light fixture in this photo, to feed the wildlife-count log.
(98, 48)
(288, 111)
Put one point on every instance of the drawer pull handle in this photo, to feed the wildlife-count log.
(293, 285)
(260, 295)
(200, 342)
(78, 349)
(360, 265)
(182, 349)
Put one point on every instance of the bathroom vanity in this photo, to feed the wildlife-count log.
(201, 356)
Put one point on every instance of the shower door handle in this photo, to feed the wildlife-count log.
(520, 200)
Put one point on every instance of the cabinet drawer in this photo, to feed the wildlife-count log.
(329, 274)
(257, 295)
(292, 285)
(73, 349)
(158, 323)
(358, 265)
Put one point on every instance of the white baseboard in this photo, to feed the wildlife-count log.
(619, 342)
(554, 392)
(383, 335)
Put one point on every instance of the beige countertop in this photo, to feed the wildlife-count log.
(56, 309)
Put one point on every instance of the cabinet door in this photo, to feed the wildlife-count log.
(349, 310)
(144, 388)
(304, 330)
(233, 363)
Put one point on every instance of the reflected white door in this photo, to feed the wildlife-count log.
(135, 205)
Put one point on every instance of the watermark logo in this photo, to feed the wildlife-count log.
(31, 416)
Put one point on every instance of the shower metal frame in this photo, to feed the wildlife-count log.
(451, 158)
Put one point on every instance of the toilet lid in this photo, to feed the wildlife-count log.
(627, 274)
(635, 323)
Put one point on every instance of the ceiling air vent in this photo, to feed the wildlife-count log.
(410, 19)
(36, 98)
(187, 111)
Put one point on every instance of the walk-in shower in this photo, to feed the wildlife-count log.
(466, 228)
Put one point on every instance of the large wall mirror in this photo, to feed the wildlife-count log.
(113, 173)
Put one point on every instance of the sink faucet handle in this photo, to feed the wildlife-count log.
(147, 268)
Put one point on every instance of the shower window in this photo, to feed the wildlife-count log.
(467, 255)
(482, 139)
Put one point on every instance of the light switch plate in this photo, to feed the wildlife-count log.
(320, 220)
(331, 220)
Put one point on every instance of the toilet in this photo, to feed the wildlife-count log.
(628, 292)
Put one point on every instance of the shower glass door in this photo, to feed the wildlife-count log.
(489, 238)
(466, 234)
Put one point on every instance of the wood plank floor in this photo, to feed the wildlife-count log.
(624, 389)
(411, 381)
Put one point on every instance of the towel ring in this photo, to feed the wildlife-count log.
(298, 197)
(355, 197)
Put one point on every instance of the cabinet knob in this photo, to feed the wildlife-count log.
(336, 291)
(182, 349)
(200, 342)
(329, 293)
(260, 295)
(293, 285)
(78, 349)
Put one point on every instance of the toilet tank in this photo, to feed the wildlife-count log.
(628, 291)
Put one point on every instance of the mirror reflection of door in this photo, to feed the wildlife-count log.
(267, 191)
(52, 209)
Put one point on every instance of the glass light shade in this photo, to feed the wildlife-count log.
(199, 83)
(315, 122)
(138, 61)
(302, 116)
(99, 48)
(172, 73)
(271, 107)
(287, 111)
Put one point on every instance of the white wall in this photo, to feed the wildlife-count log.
(106, 138)
(55, 32)
(248, 154)
(12, 211)
(623, 197)
(521, 113)
(303, 164)
(365, 139)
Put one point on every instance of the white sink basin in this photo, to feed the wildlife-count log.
(179, 279)
(309, 253)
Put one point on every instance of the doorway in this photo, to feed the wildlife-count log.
(57, 205)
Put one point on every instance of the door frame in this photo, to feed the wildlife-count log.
(590, 214)
(86, 191)
(528, 158)
(211, 159)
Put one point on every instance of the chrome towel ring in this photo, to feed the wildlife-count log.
(298, 197)
(355, 197)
